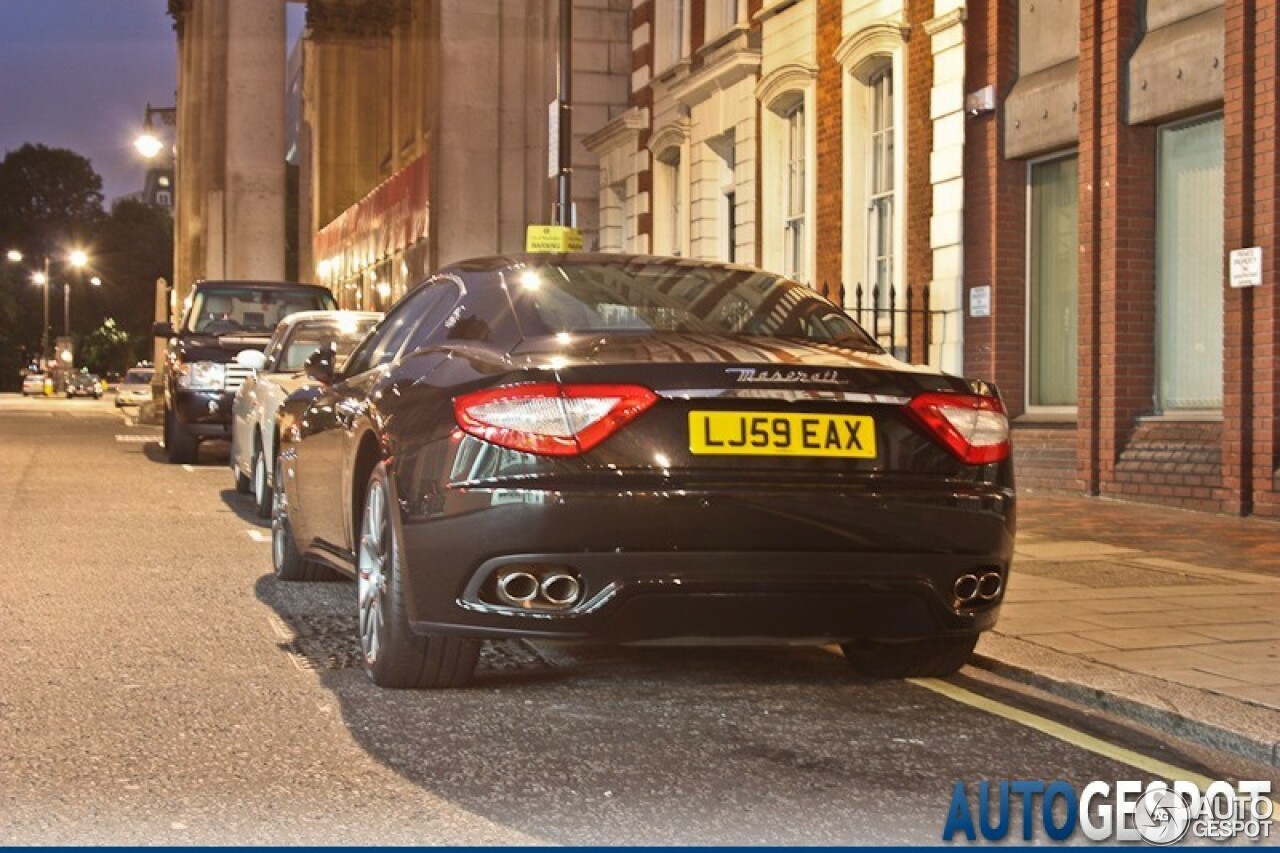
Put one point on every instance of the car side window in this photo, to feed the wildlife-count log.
(385, 341)
(429, 328)
(273, 350)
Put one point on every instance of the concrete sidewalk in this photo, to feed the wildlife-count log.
(1167, 616)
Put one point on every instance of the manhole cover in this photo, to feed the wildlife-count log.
(326, 642)
(1098, 573)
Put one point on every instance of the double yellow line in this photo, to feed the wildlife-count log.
(1066, 734)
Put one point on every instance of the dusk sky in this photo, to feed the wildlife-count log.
(78, 74)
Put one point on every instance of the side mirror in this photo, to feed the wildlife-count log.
(252, 359)
(321, 366)
(163, 330)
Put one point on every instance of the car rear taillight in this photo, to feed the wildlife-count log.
(975, 429)
(549, 418)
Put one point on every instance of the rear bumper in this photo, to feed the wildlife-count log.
(818, 566)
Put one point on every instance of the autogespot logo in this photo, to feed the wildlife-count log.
(1159, 813)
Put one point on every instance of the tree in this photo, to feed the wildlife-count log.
(108, 350)
(134, 247)
(48, 196)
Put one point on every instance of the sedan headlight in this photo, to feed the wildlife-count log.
(202, 376)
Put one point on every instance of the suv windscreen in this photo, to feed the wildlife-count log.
(231, 310)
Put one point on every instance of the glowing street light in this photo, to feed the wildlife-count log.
(148, 144)
(78, 259)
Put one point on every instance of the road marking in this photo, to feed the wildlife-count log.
(192, 469)
(1066, 734)
(136, 439)
(258, 536)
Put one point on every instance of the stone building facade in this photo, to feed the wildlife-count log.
(425, 128)
(819, 138)
(423, 134)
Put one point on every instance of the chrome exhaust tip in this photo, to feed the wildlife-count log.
(517, 588)
(990, 585)
(965, 588)
(561, 590)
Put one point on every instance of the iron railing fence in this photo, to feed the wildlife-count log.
(901, 322)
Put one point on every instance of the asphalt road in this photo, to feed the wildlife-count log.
(157, 685)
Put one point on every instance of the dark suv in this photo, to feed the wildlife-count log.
(201, 377)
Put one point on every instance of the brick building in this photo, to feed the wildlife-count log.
(1085, 166)
(1104, 194)
(820, 138)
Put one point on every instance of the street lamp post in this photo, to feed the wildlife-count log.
(42, 279)
(147, 143)
(78, 259)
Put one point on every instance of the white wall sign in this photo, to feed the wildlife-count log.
(1246, 267)
(980, 301)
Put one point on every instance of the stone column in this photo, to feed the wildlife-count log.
(946, 174)
(255, 118)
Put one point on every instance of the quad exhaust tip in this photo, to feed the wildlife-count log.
(971, 588)
(556, 589)
(517, 588)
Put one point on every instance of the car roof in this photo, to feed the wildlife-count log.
(497, 263)
(257, 285)
(319, 317)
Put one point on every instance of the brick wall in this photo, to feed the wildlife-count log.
(995, 206)
(919, 195)
(1249, 441)
(642, 60)
(830, 148)
(1173, 463)
(1266, 220)
(1044, 458)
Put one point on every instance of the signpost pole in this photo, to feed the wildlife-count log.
(564, 98)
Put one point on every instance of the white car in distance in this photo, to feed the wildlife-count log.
(278, 372)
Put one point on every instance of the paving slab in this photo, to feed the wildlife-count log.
(1172, 617)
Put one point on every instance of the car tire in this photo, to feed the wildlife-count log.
(244, 485)
(286, 560)
(393, 655)
(935, 657)
(180, 446)
(262, 493)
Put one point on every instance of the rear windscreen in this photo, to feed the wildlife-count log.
(656, 298)
(231, 310)
(305, 341)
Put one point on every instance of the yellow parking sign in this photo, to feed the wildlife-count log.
(552, 238)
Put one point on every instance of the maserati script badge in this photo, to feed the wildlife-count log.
(801, 377)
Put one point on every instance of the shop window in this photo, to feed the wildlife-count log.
(1189, 253)
(1053, 281)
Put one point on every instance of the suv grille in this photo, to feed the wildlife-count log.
(236, 375)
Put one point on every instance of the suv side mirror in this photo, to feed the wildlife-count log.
(163, 330)
(321, 366)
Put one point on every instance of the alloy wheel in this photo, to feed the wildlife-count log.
(279, 520)
(372, 566)
(259, 478)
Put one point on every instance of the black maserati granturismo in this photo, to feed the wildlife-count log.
(633, 449)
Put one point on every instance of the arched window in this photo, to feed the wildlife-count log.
(787, 149)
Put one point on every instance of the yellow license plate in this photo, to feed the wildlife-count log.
(781, 434)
